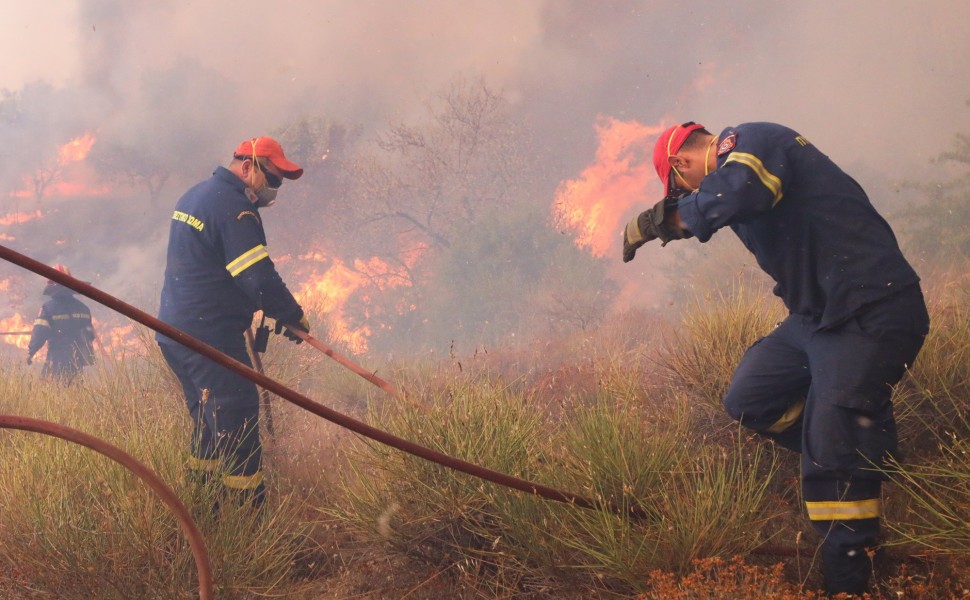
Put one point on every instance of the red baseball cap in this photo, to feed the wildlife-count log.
(268, 148)
(668, 144)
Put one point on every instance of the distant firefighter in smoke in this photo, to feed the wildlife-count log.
(64, 324)
(218, 273)
(820, 383)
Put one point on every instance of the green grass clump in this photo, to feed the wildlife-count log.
(422, 507)
(618, 448)
(700, 500)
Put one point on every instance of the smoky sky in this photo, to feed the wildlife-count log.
(879, 85)
(882, 82)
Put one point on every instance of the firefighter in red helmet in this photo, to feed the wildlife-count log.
(821, 383)
(64, 324)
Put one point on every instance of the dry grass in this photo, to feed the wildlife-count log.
(933, 511)
(701, 354)
(77, 525)
(616, 447)
(591, 414)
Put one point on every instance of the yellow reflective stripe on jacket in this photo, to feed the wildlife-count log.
(247, 259)
(41, 322)
(754, 163)
(243, 482)
(843, 511)
(203, 464)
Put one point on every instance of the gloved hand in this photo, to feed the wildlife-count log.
(303, 325)
(649, 225)
(30, 360)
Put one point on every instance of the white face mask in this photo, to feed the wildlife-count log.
(266, 197)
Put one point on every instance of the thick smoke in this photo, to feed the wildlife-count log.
(879, 86)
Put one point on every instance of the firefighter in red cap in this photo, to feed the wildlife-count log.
(218, 273)
(820, 383)
(64, 324)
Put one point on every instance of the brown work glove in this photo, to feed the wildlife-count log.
(649, 225)
(303, 325)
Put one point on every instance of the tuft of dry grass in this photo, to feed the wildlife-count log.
(78, 525)
(934, 479)
(701, 354)
(617, 447)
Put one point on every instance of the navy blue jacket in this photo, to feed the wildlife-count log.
(810, 226)
(64, 324)
(218, 270)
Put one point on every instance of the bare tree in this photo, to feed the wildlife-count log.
(43, 176)
(430, 182)
(120, 163)
(37, 120)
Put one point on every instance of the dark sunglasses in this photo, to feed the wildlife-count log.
(273, 181)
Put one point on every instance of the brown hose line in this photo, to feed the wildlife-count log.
(305, 402)
(165, 493)
(343, 360)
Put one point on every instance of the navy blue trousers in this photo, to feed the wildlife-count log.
(827, 394)
(224, 408)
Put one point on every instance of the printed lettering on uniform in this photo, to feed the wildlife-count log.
(250, 213)
(188, 219)
(802, 141)
(727, 144)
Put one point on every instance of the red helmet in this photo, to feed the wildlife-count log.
(62, 269)
(53, 287)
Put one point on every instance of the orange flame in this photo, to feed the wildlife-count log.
(20, 217)
(16, 323)
(330, 292)
(70, 176)
(119, 341)
(115, 341)
(597, 203)
(76, 149)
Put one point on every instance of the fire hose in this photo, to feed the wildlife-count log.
(158, 486)
(309, 405)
